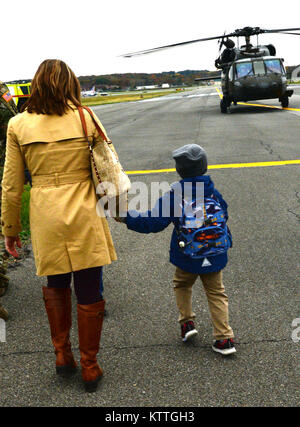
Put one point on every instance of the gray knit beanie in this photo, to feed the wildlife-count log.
(191, 160)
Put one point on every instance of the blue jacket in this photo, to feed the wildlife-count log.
(153, 222)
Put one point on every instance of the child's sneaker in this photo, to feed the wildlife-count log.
(188, 330)
(224, 347)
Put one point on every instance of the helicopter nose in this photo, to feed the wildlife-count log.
(264, 85)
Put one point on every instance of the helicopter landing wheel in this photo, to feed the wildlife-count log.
(224, 104)
(223, 107)
(284, 102)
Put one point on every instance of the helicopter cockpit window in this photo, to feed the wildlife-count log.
(273, 66)
(244, 69)
(259, 68)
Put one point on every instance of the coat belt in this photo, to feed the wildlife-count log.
(56, 179)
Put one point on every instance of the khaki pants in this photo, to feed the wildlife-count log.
(216, 297)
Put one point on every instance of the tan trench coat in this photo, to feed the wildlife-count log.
(67, 234)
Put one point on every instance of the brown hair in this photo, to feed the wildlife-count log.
(53, 87)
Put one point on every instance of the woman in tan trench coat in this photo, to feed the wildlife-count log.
(68, 237)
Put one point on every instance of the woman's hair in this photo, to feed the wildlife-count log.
(53, 87)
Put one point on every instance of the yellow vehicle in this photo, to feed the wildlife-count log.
(20, 92)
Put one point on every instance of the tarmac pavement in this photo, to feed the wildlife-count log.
(145, 362)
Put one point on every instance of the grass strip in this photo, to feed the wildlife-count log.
(112, 99)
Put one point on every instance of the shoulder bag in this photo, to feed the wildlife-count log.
(108, 175)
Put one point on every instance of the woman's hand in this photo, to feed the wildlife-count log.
(10, 245)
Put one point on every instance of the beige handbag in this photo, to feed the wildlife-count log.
(109, 177)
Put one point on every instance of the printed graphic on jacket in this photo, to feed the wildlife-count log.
(202, 229)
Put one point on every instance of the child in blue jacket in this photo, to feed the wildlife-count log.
(191, 164)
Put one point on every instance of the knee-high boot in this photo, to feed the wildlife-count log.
(3, 313)
(90, 319)
(59, 310)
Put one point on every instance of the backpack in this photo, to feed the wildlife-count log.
(202, 230)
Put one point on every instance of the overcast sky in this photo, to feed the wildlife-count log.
(90, 34)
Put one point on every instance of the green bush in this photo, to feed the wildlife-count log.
(5, 115)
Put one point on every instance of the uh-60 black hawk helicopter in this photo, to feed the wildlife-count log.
(248, 72)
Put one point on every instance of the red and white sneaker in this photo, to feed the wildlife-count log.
(224, 347)
(188, 330)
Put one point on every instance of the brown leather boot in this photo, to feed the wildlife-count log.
(59, 311)
(3, 313)
(90, 319)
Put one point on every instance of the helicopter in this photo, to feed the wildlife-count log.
(247, 72)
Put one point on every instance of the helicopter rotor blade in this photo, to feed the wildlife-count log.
(155, 49)
(280, 30)
(293, 34)
(244, 32)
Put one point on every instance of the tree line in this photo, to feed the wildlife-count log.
(132, 80)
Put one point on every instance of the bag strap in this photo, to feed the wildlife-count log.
(100, 131)
(83, 122)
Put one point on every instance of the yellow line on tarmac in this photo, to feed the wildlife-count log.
(259, 105)
(145, 172)
(225, 166)
(219, 93)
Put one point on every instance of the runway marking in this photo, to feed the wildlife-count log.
(219, 93)
(260, 105)
(180, 96)
(225, 166)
